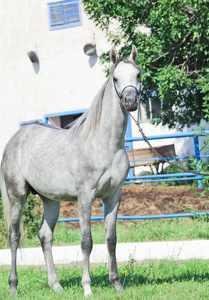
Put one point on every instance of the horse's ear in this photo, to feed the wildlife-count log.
(134, 53)
(113, 55)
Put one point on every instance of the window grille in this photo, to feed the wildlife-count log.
(64, 14)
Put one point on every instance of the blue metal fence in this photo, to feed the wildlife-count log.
(175, 176)
(161, 177)
(151, 217)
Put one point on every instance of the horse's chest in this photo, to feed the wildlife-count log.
(114, 176)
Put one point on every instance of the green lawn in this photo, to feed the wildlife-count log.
(148, 280)
(131, 231)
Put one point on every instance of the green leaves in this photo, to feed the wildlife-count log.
(31, 216)
(173, 53)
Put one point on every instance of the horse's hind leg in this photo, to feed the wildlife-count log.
(17, 200)
(50, 217)
(111, 210)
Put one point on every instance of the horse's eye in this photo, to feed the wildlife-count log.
(138, 76)
(115, 79)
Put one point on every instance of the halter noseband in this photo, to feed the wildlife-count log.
(120, 95)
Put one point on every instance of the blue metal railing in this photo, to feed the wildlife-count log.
(152, 217)
(162, 177)
(175, 176)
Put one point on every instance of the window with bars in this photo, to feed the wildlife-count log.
(64, 14)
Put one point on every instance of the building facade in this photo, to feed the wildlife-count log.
(44, 70)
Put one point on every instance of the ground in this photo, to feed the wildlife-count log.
(148, 200)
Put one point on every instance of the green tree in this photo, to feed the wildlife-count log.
(174, 55)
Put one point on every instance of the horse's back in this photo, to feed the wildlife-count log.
(39, 155)
(27, 139)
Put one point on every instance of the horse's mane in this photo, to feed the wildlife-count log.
(89, 120)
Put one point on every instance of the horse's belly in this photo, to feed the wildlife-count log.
(56, 193)
(61, 197)
(58, 185)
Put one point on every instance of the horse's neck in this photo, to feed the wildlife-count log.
(113, 121)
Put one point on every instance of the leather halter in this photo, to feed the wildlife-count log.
(120, 95)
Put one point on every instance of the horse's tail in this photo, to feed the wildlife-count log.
(6, 206)
(6, 203)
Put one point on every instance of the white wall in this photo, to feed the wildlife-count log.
(67, 79)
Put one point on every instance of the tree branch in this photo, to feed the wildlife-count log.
(173, 48)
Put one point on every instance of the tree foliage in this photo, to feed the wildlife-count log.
(174, 55)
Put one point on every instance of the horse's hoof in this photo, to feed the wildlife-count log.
(57, 288)
(87, 295)
(87, 290)
(118, 286)
(13, 291)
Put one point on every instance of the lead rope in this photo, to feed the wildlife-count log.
(155, 151)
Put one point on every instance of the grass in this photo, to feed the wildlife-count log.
(148, 280)
(130, 231)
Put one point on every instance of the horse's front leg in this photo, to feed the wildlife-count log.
(111, 210)
(84, 211)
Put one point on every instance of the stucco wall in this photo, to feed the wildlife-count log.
(65, 79)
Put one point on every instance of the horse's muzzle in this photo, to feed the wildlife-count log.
(130, 98)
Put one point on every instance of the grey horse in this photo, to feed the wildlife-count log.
(84, 162)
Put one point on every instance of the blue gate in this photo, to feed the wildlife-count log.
(175, 176)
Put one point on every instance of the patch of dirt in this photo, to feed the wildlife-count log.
(147, 199)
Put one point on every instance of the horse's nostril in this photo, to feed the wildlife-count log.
(130, 100)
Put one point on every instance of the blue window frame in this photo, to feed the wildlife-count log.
(64, 118)
(64, 14)
(30, 122)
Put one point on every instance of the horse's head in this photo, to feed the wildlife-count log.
(126, 78)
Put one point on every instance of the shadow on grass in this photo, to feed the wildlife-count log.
(131, 275)
(137, 275)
